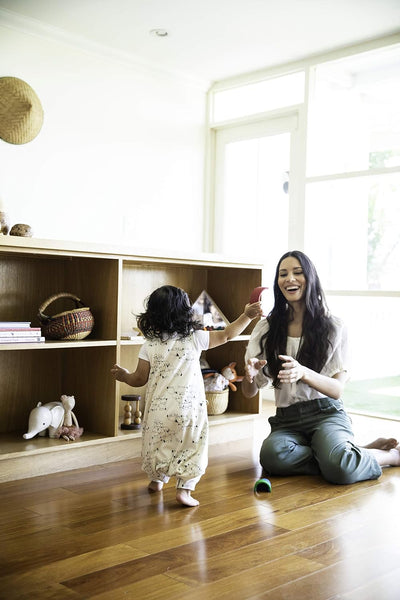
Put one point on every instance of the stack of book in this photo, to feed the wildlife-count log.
(14, 332)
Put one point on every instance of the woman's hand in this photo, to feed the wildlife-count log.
(291, 371)
(252, 367)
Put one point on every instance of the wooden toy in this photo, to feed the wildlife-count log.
(137, 415)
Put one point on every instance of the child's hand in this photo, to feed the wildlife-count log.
(253, 310)
(119, 373)
(252, 367)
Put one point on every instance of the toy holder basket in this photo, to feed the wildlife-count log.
(217, 402)
(73, 324)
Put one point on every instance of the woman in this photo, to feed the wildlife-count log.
(303, 351)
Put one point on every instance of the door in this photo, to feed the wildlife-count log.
(254, 199)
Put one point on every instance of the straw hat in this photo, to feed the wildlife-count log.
(21, 114)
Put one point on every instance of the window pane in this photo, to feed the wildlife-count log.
(259, 97)
(374, 331)
(352, 226)
(255, 197)
(354, 117)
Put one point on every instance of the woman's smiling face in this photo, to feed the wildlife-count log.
(291, 279)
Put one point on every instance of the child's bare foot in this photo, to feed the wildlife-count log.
(155, 486)
(382, 444)
(183, 496)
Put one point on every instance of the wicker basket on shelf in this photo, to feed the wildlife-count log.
(217, 402)
(73, 324)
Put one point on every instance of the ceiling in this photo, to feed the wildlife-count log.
(209, 40)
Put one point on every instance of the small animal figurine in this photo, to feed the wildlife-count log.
(45, 417)
(229, 372)
(217, 382)
(214, 382)
(69, 430)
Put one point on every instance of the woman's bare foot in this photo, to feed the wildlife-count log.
(382, 444)
(183, 496)
(155, 486)
(387, 458)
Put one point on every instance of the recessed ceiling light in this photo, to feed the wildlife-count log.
(159, 32)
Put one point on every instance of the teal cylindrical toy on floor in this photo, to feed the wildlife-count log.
(262, 485)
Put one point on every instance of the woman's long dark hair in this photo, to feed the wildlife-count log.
(168, 311)
(317, 324)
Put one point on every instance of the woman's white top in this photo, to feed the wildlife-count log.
(290, 393)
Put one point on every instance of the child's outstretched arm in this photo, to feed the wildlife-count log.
(135, 379)
(251, 311)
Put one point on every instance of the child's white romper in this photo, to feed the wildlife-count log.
(175, 423)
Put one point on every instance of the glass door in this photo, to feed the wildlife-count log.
(254, 197)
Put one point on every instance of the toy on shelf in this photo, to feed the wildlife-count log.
(217, 382)
(137, 415)
(229, 372)
(56, 418)
(69, 430)
(208, 314)
(217, 385)
(45, 417)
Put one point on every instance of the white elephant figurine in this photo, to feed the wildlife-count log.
(45, 416)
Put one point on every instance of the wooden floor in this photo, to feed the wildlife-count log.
(97, 533)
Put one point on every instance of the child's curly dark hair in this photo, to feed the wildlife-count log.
(168, 311)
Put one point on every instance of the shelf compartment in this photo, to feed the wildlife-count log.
(29, 377)
(28, 280)
(229, 287)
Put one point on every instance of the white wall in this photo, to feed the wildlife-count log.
(120, 156)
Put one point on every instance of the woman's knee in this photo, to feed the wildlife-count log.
(344, 465)
(268, 454)
(283, 455)
(337, 475)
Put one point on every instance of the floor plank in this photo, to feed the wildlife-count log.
(98, 534)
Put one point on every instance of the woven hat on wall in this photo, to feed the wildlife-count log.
(21, 113)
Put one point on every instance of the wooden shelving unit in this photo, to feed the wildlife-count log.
(114, 284)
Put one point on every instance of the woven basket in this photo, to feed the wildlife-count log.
(217, 402)
(69, 325)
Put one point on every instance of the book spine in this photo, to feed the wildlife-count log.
(15, 325)
(20, 332)
(21, 340)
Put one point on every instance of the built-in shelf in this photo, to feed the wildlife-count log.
(114, 283)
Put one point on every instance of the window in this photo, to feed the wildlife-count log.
(354, 117)
(327, 183)
(259, 97)
(353, 227)
(252, 193)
